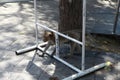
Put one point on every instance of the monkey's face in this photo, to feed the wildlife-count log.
(48, 36)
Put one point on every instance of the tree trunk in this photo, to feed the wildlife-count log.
(70, 15)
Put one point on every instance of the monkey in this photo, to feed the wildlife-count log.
(49, 37)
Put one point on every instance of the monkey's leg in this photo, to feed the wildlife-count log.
(46, 48)
(72, 47)
(78, 50)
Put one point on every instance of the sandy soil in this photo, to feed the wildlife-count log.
(105, 43)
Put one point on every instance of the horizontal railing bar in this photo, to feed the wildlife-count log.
(85, 72)
(62, 61)
(56, 32)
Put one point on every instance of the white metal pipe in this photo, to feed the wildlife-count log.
(56, 32)
(83, 33)
(85, 72)
(28, 49)
(43, 44)
(67, 64)
(36, 20)
(21, 51)
(57, 45)
(62, 61)
(34, 55)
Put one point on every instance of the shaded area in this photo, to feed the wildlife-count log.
(50, 67)
(101, 16)
(17, 31)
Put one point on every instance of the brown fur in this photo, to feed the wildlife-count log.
(50, 37)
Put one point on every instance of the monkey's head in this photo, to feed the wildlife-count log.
(48, 36)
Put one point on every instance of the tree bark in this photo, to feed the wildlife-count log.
(70, 15)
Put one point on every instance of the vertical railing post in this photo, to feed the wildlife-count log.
(57, 44)
(83, 33)
(36, 28)
(116, 17)
(36, 20)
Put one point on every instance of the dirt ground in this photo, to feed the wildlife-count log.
(107, 43)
